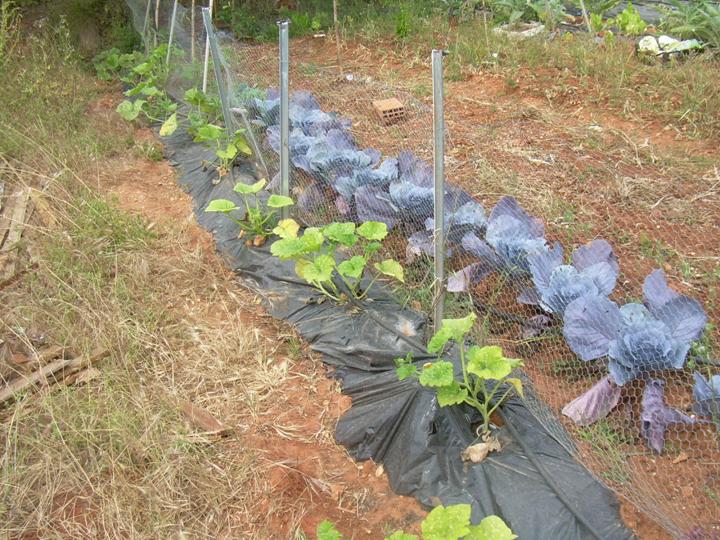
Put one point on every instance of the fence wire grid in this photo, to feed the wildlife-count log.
(615, 340)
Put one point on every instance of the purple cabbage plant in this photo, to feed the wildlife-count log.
(593, 272)
(511, 235)
(637, 340)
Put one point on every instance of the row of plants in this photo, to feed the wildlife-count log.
(699, 19)
(317, 252)
(647, 341)
(145, 78)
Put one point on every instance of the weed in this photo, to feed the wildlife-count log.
(606, 442)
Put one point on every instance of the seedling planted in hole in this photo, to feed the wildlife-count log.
(258, 221)
(485, 381)
(314, 254)
(226, 146)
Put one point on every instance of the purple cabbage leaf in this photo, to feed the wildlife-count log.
(706, 393)
(656, 416)
(593, 273)
(594, 404)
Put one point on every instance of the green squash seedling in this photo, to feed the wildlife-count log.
(258, 221)
(485, 381)
(314, 254)
(442, 523)
(226, 147)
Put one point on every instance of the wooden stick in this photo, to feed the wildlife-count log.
(585, 16)
(15, 230)
(40, 377)
(337, 35)
(157, 21)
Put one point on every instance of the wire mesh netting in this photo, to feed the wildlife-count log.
(615, 340)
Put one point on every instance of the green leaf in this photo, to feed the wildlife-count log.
(287, 228)
(169, 126)
(373, 230)
(194, 97)
(517, 385)
(249, 189)
(319, 270)
(287, 248)
(143, 69)
(392, 268)
(491, 528)
(341, 233)
(437, 374)
(404, 367)
(209, 132)
(130, 110)
(279, 201)
(312, 240)
(228, 153)
(489, 363)
(221, 205)
(455, 329)
(241, 143)
(151, 91)
(353, 267)
(451, 395)
(399, 535)
(327, 531)
(447, 523)
(372, 247)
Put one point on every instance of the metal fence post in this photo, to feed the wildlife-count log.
(172, 31)
(207, 50)
(224, 104)
(439, 182)
(284, 113)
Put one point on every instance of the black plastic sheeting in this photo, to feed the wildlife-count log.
(534, 484)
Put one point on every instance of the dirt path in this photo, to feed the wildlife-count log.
(285, 426)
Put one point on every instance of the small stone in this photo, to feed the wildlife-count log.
(682, 456)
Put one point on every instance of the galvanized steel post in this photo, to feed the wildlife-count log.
(284, 112)
(439, 182)
(207, 50)
(172, 31)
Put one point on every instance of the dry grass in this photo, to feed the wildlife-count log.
(114, 457)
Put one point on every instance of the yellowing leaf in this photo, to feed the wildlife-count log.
(287, 228)
(169, 126)
(249, 189)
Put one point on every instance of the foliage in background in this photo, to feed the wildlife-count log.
(699, 19)
(9, 19)
(630, 22)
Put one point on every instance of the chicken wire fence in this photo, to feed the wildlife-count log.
(611, 317)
